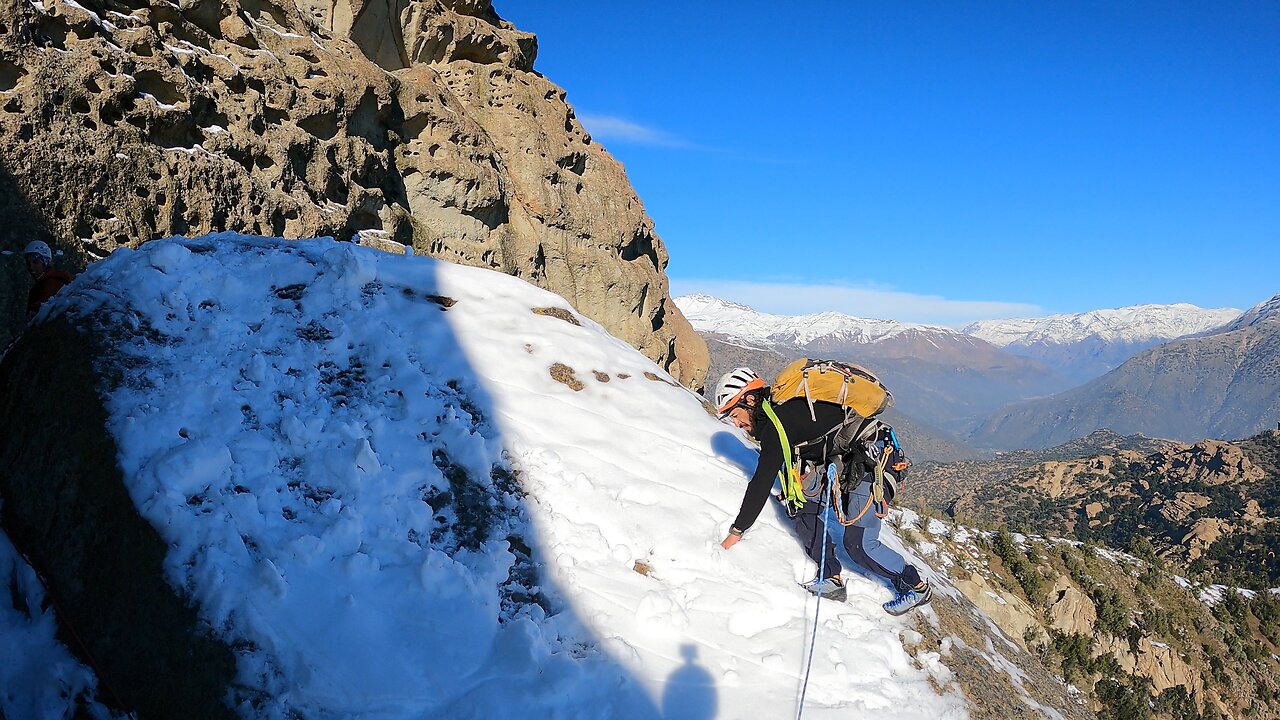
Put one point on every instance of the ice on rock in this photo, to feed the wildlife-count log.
(271, 578)
(307, 548)
(354, 267)
(295, 430)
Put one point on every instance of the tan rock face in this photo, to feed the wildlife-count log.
(1009, 612)
(1071, 610)
(1154, 660)
(1060, 478)
(1213, 462)
(1181, 506)
(412, 122)
(1204, 532)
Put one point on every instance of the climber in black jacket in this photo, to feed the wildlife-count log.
(740, 398)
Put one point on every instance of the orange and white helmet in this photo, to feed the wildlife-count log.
(733, 385)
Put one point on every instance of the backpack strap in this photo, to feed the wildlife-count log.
(804, 388)
(792, 492)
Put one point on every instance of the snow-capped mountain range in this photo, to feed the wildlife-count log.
(1080, 346)
(711, 314)
(922, 362)
(1266, 311)
(1222, 383)
(1134, 324)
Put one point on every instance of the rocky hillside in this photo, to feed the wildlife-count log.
(1134, 639)
(419, 123)
(1224, 384)
(941, 483)
(1212, 507)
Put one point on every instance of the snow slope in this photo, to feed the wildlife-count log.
(325, 434)
(39, 677)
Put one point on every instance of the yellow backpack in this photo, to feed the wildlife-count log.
(852, 387)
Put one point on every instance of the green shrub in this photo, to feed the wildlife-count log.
(1140, 547)
(1113, 617)
(1176, 704)
(1123, 697)
(1076, 652)
(1023, 569)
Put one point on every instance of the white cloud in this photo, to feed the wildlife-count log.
(609, 127)
(867, 302)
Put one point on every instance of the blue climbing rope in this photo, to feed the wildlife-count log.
(822, 571)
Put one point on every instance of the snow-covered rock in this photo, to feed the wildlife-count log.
(391, 487)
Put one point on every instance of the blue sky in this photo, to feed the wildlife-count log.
(939, 162)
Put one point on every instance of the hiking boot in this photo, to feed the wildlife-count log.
(915, 597)
(831, 588)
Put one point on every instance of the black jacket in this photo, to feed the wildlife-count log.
(794, 416)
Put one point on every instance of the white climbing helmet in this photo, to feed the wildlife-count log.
(733, 385)
(41, 249)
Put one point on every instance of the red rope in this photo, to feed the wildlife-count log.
(66, 619)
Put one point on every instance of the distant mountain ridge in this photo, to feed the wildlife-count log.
(1223, 384)
(1083, 346)
(941, 376)
(1135, 323)
(740, 321)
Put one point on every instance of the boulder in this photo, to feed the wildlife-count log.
(411, 123)
(1009, 612)
(1154, 660)
(1071, 611)
(1204, 533)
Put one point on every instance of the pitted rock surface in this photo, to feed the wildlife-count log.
(406, 122)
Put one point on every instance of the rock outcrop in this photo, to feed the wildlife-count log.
(1009, 612)
(410, 123)
(1203, 534)
(1212, 462)
(1070, 610)
(1154, 660)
